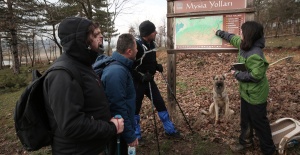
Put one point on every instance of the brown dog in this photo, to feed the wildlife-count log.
(220, 98)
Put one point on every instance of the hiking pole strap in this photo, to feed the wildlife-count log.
(187, 122)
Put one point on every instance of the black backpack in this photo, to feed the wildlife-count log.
(30, 116)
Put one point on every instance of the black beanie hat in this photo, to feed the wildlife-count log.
(146, 28)
(72, 28)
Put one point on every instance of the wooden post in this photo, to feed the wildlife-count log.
(171, 74)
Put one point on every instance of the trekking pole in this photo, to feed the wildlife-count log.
(118, 136)
(176, 102)
(154, 118)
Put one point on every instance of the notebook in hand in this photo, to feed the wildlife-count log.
(239, 66)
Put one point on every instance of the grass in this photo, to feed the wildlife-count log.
(182, 86)
(7, 131)
(11, 87)
(283, 42)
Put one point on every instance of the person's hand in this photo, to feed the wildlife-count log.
(159, 68)
(232, 72)
(217, 32)
(147, 77)
(119, 123)
(134, 143)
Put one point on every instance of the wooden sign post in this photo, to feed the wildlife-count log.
(191, 25)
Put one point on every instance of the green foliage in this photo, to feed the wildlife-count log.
(12, 82)
(201, 90)
(182, 86)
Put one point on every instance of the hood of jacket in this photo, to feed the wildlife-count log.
(104, 59)
(73, 32)
(260, 43)
(123, 60)
(256, 49)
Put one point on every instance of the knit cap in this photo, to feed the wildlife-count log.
(146, 28)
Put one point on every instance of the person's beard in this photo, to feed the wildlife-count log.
(101, 49)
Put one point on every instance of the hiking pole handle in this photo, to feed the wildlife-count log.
(118, 116)
(118, 136)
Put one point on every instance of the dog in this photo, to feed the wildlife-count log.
(220, 99)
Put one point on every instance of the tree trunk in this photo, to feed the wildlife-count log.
(26, 58)
(20, 55)
(1, 55)
(14, 38)
(42, 40)
(28, 51)
(108, 47)
(55, 40)
(33, 52)
(50, 51)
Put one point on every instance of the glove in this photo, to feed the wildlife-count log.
(147, 77)
(220, 33)
(159, 68)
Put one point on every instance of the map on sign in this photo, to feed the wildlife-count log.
(198, 32)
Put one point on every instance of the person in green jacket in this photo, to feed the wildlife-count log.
(253, 86)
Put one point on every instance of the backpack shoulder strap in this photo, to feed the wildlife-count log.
(140, 42)
(69, 68)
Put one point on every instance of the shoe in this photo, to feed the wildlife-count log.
(174, 135)
(239, 147)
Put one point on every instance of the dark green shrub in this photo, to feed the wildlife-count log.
(12, 82)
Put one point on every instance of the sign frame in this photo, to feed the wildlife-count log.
(247, 9)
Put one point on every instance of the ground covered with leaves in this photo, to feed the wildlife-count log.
(194, 74)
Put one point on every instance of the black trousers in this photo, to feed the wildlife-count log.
(143, 89)
(255, 117)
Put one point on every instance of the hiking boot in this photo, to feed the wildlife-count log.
(168, 125)
(239, 147)
(174, 134)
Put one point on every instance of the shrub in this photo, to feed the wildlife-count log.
(12, 82)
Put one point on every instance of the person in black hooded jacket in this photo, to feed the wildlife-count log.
(144, 69)
(78, 111)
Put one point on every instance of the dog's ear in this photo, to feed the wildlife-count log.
(223, 76)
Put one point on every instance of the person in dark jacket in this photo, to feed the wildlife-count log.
(145, 67)
(118, 86)
(254, 86)
(78, 110)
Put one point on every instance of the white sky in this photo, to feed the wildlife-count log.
(153, 10)
(139, 11)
